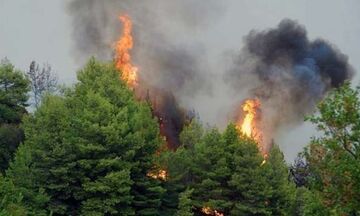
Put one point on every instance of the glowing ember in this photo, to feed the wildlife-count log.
(206, 210)
(209, 211)
(160, 174)
(122, 55)
(264, 161)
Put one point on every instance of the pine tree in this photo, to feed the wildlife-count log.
(225, 173)
(10, 199)
(283, 191)
(185, 204)
(14, 87)
(251, 190)
(22, 178)
(212, 172)
(91, 149)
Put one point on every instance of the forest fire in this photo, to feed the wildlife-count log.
(249, 124)
(171, 118)
(122, 55)
(163, 103)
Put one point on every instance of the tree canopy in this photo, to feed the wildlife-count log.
(227, 174)
(96, 149)
(14, 87)
(92, 148)
(334, 157)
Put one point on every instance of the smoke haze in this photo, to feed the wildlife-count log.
(169, 61)
(164, 51)
(283, 68)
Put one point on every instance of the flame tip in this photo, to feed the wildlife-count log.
(123, 46)
(249, 125)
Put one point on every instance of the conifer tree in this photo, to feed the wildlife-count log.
(91, 149)
(248, 183)
(185, 204)
(10, 199)
(24, 182)
(14, 87)
(226, 174)
(282, 189)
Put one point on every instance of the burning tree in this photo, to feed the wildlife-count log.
(170, 115)
(249, 124)
(288, 73)
(225, 173)
(123, 46)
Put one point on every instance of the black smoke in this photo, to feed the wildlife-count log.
(288, 72)
(282, 67)
(171, 116)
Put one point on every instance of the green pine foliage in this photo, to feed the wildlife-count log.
(90, 150)
(185, 204)
(14, 87)
(225, 173)
(25, 182)
(10, 199)
(282, 190)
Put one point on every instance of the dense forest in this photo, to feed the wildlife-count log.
(94, 149)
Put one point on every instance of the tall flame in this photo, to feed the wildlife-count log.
(248, 125)
(122, 53)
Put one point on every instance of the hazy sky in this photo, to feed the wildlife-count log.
(37, 30)
(41, 30)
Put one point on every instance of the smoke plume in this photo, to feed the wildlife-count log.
(281, 67)
(169, 61)
(164, 50)
(288, 72)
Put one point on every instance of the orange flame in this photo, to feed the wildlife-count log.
(248, 125)
(122, 55)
